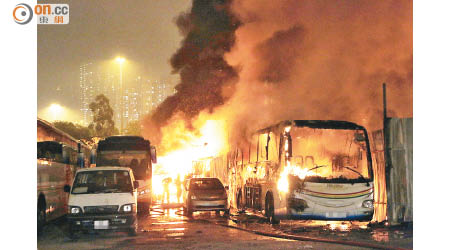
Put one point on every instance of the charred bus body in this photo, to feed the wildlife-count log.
(303, 169)
(134, 152)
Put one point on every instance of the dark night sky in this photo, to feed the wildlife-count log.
(143, 32)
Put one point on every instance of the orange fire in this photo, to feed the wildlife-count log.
(209, 140)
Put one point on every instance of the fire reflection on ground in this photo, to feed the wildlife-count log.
(168, 219)
(348, 230)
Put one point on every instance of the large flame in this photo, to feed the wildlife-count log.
(291, 169)
(176, 162)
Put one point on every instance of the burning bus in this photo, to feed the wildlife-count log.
(302, 169)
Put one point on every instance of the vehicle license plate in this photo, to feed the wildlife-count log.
(101, 224)
(336, 215)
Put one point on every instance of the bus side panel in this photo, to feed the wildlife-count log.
(51, 181)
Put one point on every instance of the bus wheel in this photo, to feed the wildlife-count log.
(270, 209)
(41, 218)
(132, 231)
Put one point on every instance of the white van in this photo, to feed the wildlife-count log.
(103, 198)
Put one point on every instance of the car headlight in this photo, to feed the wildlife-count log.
(367, 204)
(193, 197)
(74, 210)
(128, 208)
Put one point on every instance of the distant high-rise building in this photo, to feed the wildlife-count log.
(87, 82)
(153, 93)
(93, 82)
(138, 97)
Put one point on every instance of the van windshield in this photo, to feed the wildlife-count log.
(102, 181)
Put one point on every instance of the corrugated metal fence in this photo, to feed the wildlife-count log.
(393, 178)
(399, 169)
(379, 176)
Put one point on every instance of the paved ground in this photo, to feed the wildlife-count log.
(168, 229)
(400, 237)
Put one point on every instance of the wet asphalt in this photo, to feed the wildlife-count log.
(165, 227)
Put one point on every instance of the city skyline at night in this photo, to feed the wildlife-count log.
(99, 39)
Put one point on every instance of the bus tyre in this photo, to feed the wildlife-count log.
(132, 231)
(41, 218)
(270, 210)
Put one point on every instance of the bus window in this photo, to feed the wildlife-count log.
(262, 147)
(245, 155)
(50, 150)
(254, 149)
(273, 147)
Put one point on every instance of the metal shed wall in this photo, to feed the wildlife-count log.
(399, 169)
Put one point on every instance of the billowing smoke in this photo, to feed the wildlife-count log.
(320, 60)
(207, 80)
(292, 59)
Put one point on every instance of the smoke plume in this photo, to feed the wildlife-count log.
(320, 60)
(292, 59)
(207, 80)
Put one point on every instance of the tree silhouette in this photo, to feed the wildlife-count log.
(75, 130)
(103, 124)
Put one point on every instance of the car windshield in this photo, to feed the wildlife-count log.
(138, 161)
(102, 181)
(204, 184)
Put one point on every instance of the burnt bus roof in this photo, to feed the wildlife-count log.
(327, 124)
(122, 142)
(320, 124)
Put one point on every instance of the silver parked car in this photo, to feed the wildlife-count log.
(205, 194)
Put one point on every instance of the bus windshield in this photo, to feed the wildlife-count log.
(330, 154)
(136, 160)
(102, 181)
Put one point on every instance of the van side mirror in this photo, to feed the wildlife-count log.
(153, 154)
(227, 188)
(66, 188)
(136, 184)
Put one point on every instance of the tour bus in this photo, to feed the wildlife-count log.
(57, 163)
(134, 152)
(301, 169)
